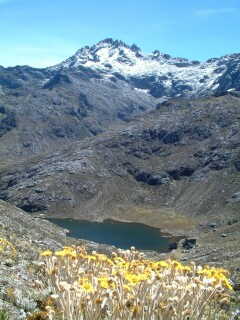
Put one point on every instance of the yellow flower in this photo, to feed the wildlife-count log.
(46, 253)
(73, 255)
(206, 272)
(62, 253)
(67, 251)
(109, 261)
(102, 257)
(118, 259)
(5, 242)
(176, 264)
(185, 268)
(163, 264)
(126, 287)
(117, 272)
(225, 282)
(134, 279)
(85, 284)
(90, 257)
(104, 284)
(87, 287)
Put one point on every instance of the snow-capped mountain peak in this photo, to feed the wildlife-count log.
(156, 72)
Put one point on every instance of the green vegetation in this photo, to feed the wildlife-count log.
(4, 314)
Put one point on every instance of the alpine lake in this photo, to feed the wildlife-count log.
(119, 234)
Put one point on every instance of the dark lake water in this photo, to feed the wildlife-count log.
(119, 234)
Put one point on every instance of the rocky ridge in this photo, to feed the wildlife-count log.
(157, 73)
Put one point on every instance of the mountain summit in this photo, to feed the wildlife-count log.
(159, 74)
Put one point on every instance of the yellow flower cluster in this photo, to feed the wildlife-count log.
(6, 246)
(127, 286)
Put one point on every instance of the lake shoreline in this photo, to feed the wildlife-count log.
(166, 226)
(163, 234)
(117, 233)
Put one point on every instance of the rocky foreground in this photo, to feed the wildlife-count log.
(19, 294)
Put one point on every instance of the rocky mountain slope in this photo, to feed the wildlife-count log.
(174, 166)
(37, 114)
(42, 109)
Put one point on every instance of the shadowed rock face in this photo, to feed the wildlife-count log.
(58, 80)
(48, 109)
(7, 120)
(182, 157)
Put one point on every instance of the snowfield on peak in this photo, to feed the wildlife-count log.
(110, 58)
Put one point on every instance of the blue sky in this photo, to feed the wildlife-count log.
(45, 32)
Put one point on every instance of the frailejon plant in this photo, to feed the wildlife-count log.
(127, 286)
